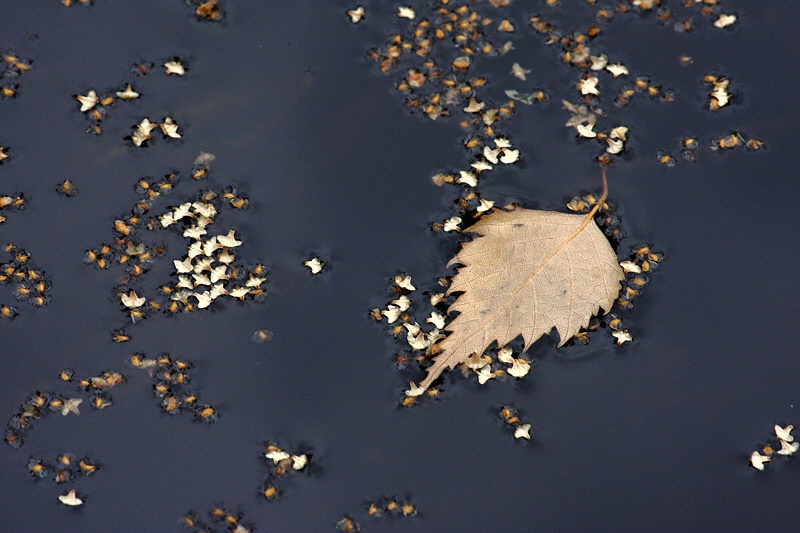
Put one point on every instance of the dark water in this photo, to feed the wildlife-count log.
(651, 435)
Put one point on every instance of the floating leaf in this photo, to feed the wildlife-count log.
(529, 271)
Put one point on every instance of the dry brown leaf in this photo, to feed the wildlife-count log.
(529, 271)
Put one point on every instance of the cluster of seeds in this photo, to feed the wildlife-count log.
(96, 106)
(219, 515)
(614, 324)
(171, 381)
(392, 506)
(510, 417)
(618, 331)
(456, 34)
(583, 118)
(682, 21)
(403, 325)
(663, 15)
(65, 469)
(495, 364)
(469, 204)
(643, 262)
(13, 201)
(209, 263)
(719, 97)
(30, 283)
(784, 439)
(280, 464)
(689, 145)
(35, 406)
(96, 385)
(142, 131)
(12, 67)
(207, 271)
(486, 157)
(576, 51)
(459, 29)
(735, 139)
(643, 85)
(40, 403)
(133, 254)
(382, 507)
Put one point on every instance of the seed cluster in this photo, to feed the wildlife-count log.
(12, 67)
(689, 146)
(40, 403)
(392, 506)
(207, 271)
(512, 420)
(281, 464)
(64, 469)
(232, 521)
(31, 284)
(171, 379)
(783, 439)
(96, 106)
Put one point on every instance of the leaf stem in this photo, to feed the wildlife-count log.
(590, 215)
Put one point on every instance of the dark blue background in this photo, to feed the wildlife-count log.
(652, 435)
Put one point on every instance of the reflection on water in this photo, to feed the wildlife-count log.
(658, 430)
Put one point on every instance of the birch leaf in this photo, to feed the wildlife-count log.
(528, 272)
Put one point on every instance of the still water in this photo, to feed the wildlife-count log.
(654, 434)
